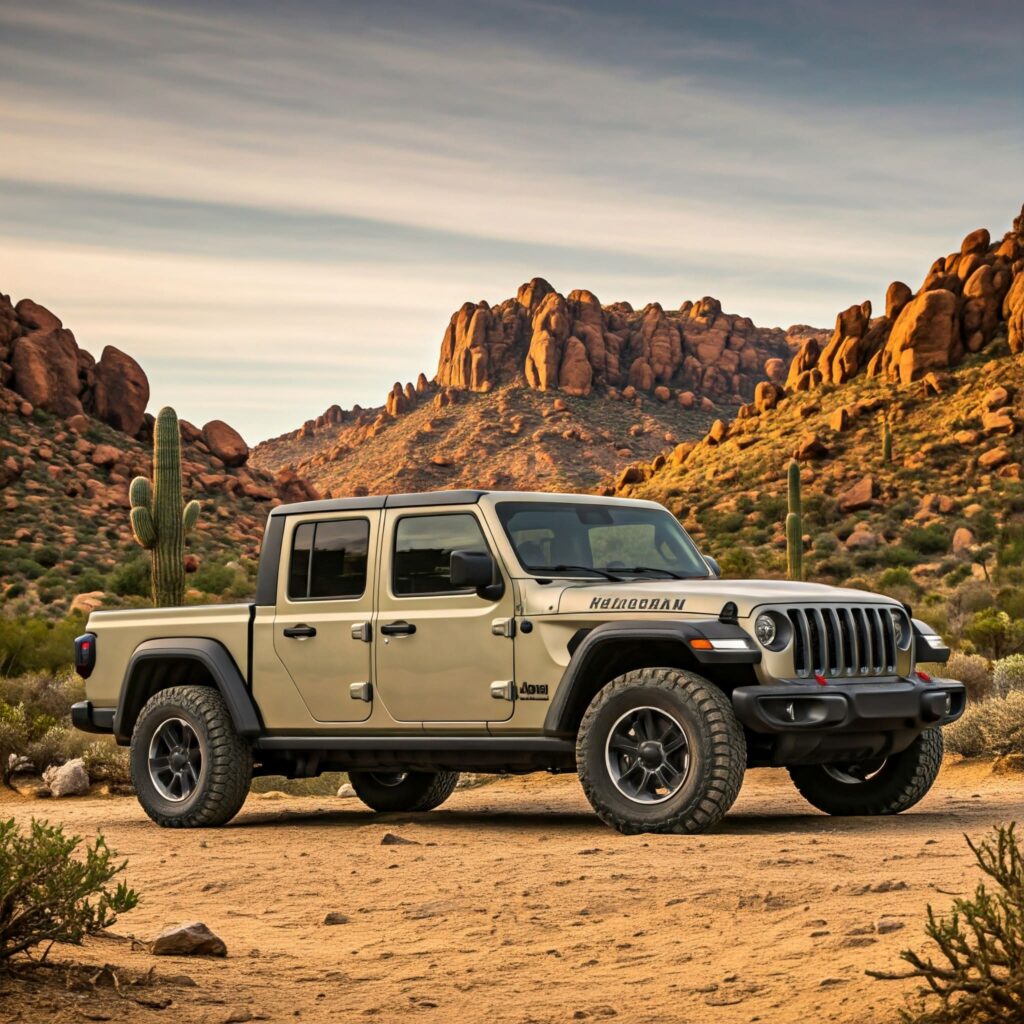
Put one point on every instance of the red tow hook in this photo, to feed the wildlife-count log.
(923, 676)
(822, 681)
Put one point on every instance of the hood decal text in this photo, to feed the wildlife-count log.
(638, 604)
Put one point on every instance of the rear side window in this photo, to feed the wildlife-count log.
(423, 548)
(328, 559)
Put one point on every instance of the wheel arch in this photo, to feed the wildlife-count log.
(614, 648)
(157, 665)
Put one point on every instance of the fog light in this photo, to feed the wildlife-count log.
(765, 630)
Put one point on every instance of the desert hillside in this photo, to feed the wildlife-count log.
(73, 432)
(943, 367)
(545, 391)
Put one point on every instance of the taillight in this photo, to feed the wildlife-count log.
(85, 654)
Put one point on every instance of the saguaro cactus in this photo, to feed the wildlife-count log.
(159, 517)
(794, 526)
(886, 441)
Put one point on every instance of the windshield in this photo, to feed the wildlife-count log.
(561, 538)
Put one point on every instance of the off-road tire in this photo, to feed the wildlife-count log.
(416, 792)
(226, 770)
(717, 747)
(900, 783)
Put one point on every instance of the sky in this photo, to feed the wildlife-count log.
(276, 206)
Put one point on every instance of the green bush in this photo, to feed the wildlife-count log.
(990, 727)
(47, 555)
(1008, 674)
(51, 895)
(213, 579)
(973, 671)
(979, 976)
(995, 633)
(927, 540)
(131, 578)
(897, 578)
(31, 644)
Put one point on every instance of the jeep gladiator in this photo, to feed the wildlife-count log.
(406, 638)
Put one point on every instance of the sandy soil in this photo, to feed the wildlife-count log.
(517, 904)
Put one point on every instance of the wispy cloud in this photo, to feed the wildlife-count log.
(335, 173)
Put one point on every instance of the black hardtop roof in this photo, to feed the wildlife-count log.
(380, 501)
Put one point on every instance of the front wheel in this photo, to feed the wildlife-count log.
(660, 750)
(403, 791)
(886, 786)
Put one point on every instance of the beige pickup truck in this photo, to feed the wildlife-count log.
(406, 638)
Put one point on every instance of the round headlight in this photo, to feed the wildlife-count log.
(899, 628)
(765, 630)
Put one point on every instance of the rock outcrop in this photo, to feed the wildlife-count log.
(575, 345)
(966, 300)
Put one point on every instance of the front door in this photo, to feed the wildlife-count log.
(436, 649)
(324, 596)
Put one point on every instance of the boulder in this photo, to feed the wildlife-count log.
(996, 398)
(192, 939)
(925, 337)
(106, 455)
(36, 317)
(1013, 313)
(226, 443)
(45, 370)
(963, 540)
(291, 487)
(994, 457)
(998, 422)
(69, 779)
(122, 391)
(810, 447)
(896, 297)
(575, 374)
(767, 396)
(859, 496)
(976, 242)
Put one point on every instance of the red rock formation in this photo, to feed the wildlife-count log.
(122, 391)
(575, 344)
(226, 443)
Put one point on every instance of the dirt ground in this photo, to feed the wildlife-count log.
(517, 904)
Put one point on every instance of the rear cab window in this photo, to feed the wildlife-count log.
(328, 560)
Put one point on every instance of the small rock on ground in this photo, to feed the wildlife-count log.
(346, 791)
(335, 918)
(192, 939)
(390, 839)
(69, 779)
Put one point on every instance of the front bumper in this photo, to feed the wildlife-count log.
(798, 723)
(87, 718)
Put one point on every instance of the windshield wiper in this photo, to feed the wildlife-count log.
(577, 568)
(651, 568)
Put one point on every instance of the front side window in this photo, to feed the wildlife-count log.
(568, 539)
(328, 560)
(423, 549)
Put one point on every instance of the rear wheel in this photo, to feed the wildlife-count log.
(189, 766)
(884, 786)
(403, 791)
(660, 750)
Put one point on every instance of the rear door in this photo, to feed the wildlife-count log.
(437, 650)
(324, 610)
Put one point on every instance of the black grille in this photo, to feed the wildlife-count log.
(843, 641)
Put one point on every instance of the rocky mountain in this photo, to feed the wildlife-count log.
(74, 430)
(943, 367)
(543, 390)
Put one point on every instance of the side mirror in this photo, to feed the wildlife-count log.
(716, 569)
(476, 569)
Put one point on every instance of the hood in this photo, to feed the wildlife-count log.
(703, 596)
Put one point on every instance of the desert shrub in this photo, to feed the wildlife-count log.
(51, 895)
(993, 632)
(29, 568)
(737, 562)
(47, 555)
(991, 727)
(32, 643)
(106, 762)
(1011, 601)
(979, 975)
(973, 671)
(927, 540)
(899, 577)
(131, 578)
(1008, 674)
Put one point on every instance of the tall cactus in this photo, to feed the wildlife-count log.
(794, 526)
(886, 441)
(159, 518)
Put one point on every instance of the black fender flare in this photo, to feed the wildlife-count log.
(594, 645)
(153, 666)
